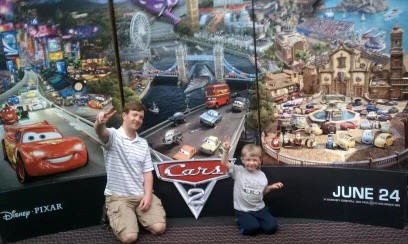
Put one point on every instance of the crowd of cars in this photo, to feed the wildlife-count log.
(375, 123)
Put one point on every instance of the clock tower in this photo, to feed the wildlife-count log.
(396, 54)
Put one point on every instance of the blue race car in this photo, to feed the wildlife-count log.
(211, 118)
(13, 100)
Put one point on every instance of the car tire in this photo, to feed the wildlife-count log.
(216, 105)
(3, 144)
(21, 172)
(385, 145)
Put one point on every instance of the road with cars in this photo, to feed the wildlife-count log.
(195, 132)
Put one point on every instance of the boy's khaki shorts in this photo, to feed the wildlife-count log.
(124, 213)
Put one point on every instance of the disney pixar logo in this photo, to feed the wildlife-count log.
(14, 214)
(195, 173)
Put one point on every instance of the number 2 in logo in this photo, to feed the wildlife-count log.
(196, 196)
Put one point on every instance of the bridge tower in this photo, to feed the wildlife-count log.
(218, 53)
(181, 59)
(145, 70)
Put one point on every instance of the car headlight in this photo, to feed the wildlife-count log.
(37, 153)
(78, 146)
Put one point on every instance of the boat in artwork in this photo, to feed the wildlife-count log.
(154, 108)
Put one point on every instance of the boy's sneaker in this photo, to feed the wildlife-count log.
(105, 220)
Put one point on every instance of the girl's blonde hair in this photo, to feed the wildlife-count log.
(251, 150)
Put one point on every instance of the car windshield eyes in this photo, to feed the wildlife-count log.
(31, 138)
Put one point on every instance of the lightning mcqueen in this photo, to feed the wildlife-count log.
(39, 149)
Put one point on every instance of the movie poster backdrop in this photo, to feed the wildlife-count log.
(205, 72)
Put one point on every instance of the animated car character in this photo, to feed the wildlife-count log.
(30, 94)
(210, 117)
(37, 104)
(285, 116)
(276, 141)
(210, 145)
(178, 118)
(372, 115)
(384, 140)
(392, 103)
(286, 140)
(239, 104)
(365, 124)
(328, 127)
(310, 142)
(393, 110)
(371, 107)
(185, 152)
(172, 137)
(330, 144)
(384, 117)
(300, 122)
(364, 112)
(346, 141)
(39, 149)
(309, 106)
(309, 110)
(358, 109)
(314, 128)
(386, 127)
(382, 111)
(8, 115)
(95, 104)
(13, 100)
(80, 102)
(367, 137)
(103, 100)
(21, 113)
(298, 139)
(382, 101)
(347, 125)
(159, 8)
(357, 102)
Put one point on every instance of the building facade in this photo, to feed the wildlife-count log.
(288, 42)
(346, 73)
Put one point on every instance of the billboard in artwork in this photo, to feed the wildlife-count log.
(53, 44)
(7, 13)
(61, 67)
(10, 45)
(56, 56)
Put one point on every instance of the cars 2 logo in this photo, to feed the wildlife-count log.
(195, 173)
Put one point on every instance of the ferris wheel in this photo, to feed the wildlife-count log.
(140, 31)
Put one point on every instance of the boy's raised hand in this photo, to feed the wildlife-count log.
(226, 143)
(104, 116)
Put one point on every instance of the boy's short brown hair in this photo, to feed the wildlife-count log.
(134, 105)
(251, 150)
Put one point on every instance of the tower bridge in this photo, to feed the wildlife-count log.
(223, 70)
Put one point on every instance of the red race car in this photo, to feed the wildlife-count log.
(348, 125)
(39, 149)
(8, 115)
